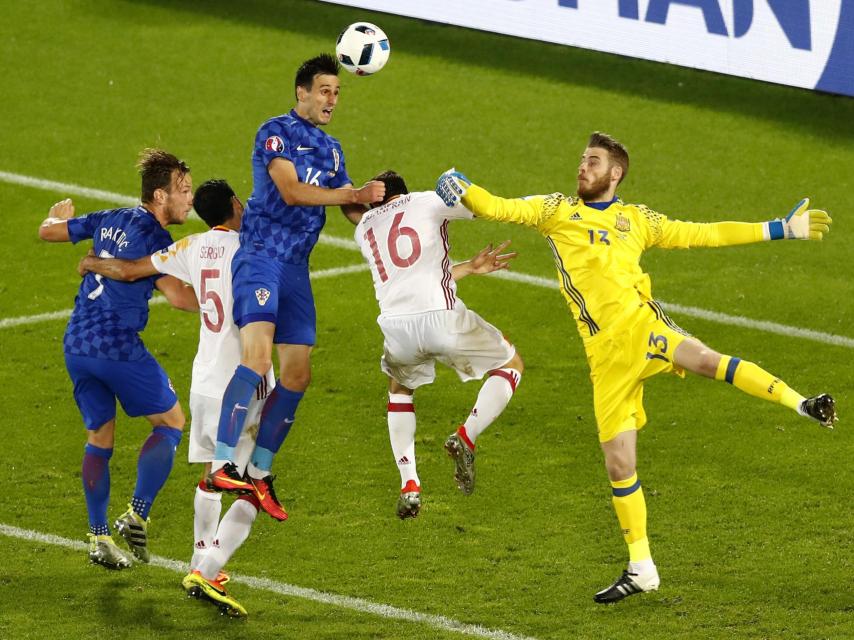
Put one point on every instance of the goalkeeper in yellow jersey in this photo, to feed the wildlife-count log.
(597, 242)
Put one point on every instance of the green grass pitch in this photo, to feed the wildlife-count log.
(750, 514)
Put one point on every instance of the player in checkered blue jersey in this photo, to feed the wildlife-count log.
(107, 360)
(298, 170)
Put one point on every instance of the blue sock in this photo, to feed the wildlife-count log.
(96, 487)
(277, 417)
(235, 403)
(153, 467)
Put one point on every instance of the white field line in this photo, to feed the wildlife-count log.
(265, 584)
(68, 189)
(706, 314)
(349, 244)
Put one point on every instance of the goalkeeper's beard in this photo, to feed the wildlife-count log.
(596, 190)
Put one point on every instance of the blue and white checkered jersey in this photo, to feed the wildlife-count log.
(108, 315)
(270, 226)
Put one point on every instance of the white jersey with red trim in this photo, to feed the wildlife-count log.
(405, 241)
(203, 261)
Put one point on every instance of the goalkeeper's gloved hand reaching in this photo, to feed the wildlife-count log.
(802, 223)
(452, 186)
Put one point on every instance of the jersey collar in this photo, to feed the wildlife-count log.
(601, 206)
(146, 210)
(219, 227)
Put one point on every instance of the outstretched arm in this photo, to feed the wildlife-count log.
(802, 223)
(54, 228)
(116, 268)
(487, 260)
(179, 295)
(293, 192)
(454, 188)
(354, 212)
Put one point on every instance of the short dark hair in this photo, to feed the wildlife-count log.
(156, 167)
(323, 64)
(616, 150)
(394, 184)
(212, 201)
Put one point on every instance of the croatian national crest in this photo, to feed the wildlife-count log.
(623, 224)
(262, 296)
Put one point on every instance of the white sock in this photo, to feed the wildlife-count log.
(643, 567)
(231, 533)
(207, 505)
(401, 433)
(491, 400)
(254, 472)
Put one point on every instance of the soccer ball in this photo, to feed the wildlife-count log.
(362, 48)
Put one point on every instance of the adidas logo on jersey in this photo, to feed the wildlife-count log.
(575, 216)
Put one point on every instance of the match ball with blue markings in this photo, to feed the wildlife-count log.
(362, 48)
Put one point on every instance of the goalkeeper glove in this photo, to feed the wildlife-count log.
(452, 186)
(802, 223)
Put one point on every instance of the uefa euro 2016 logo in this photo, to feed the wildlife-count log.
(274, 143)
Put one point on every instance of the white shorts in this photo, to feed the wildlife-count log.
(460, 339)
(204, 422)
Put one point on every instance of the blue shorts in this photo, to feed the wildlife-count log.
(142, 387)
(266, 290)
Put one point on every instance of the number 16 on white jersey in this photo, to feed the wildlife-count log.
(405, 242)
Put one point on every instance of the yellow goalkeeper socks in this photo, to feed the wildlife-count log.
(630, 506)
(757, 382)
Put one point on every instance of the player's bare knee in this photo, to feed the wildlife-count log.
(259, 365)
(697, 358)
(709, 360)
(103, 436)
(516, 363)
(620, 462)
(102, 442)
(174, 418)
(620, 467)
(395, 387)
(296, 380)
(174, 422)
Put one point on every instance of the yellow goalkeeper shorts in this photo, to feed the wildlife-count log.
(636, 349)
